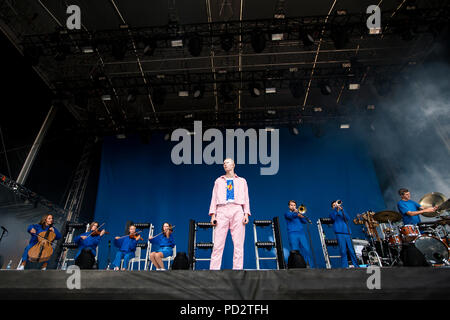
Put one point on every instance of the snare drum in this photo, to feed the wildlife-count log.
(409, 232)
(394, 240)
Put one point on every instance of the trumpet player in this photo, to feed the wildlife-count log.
(298, 239)
(343, 234)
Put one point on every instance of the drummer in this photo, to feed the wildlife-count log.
(409, 209)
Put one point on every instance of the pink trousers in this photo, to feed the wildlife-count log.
(229, 216)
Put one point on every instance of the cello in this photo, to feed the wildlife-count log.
(43, 249)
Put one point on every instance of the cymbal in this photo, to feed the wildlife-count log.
(386, 216)
(431, 200)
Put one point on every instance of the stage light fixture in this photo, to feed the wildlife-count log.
(258, 40)
(271, 90)
(226, 42)
(306, 38)
(87, 49)
(150, 46)
(131, 97)
(183, 93)
(344, 126)
(198, 91)
(325, 88)
(176, 43)
(296, 88)
(277, 36)
(317, 109)
(106, 97)
(294, 130)
(353, 86)
(255, 89)
(195, 44)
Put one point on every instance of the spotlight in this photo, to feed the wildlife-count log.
(294, 131)
(106, 97)
(296, 89)
(353, 86)
(258, 40)
(132, 93)
(344, 126)
(254, 89)
(159, 95)
(325, 88)
(198, 91)
(226, 90)
(183, 93)
(306, 38)
(118, 50)
(195, 45)
(176, 43)
(226, 42)
(150, 46)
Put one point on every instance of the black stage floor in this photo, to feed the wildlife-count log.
(294, 284)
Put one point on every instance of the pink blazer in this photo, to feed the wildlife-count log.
(240, 194)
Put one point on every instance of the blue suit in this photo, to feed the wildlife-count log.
(90, 243)
(404, 207)
(297, 236)
(34, 238)
(127, 249)
(343, 235)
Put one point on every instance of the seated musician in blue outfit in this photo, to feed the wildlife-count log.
(166, 243)
(44, 225)
(87, 246)
(127, 247)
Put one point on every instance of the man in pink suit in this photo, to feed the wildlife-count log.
(230, 208)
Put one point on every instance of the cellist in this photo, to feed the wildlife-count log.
(44, 225)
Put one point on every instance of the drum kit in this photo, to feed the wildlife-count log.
(384, 247)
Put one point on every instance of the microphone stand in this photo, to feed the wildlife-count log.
(109, 256)
(4, 231)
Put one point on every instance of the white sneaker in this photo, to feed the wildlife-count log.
(21, 267)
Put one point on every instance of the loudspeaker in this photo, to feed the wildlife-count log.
(296, 260)
(181, 261)
(412, 257)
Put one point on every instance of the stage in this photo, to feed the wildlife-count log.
(295, 284)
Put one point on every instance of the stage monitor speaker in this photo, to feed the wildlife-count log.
(296, 260)
(412, 257)
(181, 261)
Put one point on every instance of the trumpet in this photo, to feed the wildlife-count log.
(302, 210)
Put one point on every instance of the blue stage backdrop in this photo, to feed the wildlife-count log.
(138, 182)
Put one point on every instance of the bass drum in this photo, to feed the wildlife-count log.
(434, 250)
